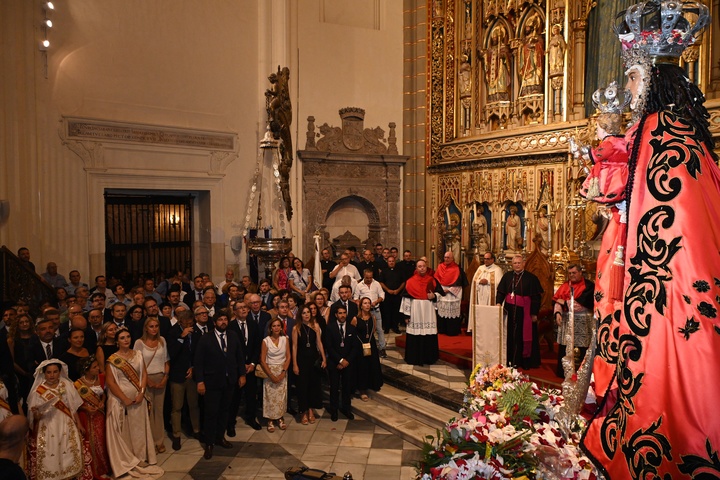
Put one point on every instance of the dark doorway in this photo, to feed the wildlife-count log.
(145, 234)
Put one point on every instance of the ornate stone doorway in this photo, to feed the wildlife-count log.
(351, 184)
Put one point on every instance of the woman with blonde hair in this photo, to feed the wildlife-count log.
(155, 356)
(275, 361)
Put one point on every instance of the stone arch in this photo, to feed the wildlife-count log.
(343, 227)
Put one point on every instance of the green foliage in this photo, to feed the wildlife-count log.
(519, 403)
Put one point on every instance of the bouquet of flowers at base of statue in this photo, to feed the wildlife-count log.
(506, 429)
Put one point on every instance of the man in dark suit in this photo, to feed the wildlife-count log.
(341, 347)
(284, 316)
(351, 307)
(219, 366)
(182, 341)
(261, 317)
(45, 345)
(249, 334)
(266, 296)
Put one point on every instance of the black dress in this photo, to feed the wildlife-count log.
(368, 372)
(24, 359)
(307, 383)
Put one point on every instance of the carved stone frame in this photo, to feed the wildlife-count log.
(372, 180)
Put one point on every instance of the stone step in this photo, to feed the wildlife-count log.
(407, 428)
(413, 406)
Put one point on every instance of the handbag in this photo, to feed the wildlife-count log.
(259, 372)
(367, 349)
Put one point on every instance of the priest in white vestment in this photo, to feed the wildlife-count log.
(483, 287)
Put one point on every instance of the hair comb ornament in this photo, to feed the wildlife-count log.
(606, 100)
(659, 31)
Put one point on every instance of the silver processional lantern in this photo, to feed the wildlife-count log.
(267, 229)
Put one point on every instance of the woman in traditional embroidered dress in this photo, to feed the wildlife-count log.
(421, 292)
(5, 410)
(154, 352)
(90, 387)
(55, 446)
(307, 349)
(660, 418)
(129, 436)
(367, 369)
(275, 361)
(107, 344)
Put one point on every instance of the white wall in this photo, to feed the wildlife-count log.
(183, 63)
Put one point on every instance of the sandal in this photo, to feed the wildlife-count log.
(311, 416)
(160, 448)
(364, 397)
(304, 419)
(281, 424)
(270, 426)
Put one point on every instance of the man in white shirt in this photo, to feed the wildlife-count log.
(346, 280)
(229, 278)
(372, 289)
(344, 268)
(484, 286)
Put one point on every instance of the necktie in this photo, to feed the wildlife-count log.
(342, 331)
(222, 342)
(242, 329)
(255, 317)
(48, 351)
(203, 330)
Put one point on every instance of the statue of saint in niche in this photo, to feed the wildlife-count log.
(497, 65)
(532, 58)
(513, 231)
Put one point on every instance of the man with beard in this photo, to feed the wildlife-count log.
(219, 366)
(521, 293)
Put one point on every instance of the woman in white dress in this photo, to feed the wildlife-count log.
(56, 450)
(129, 437)
(275, 361)
(154, 352)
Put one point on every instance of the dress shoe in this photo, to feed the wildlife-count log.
(197, 436)
(383, 354)
(396, 330)
(225, 444)
(208, 452)
(348, 414)
(176, 443)
(386, 331)
(231, 432)
(334, 416)
(252, 423)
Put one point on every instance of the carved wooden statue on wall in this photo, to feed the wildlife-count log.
(513, 230)
(279, 110)
(531, 59)
(497, 66)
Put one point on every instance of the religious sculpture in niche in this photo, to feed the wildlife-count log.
(556, 51)
(531, 59)
(513, 230)
(496, 59)
(279, 110)
(352, 137)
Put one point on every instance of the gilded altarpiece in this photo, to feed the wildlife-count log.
(506, 85)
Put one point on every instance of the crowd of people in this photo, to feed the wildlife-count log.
(114, 371)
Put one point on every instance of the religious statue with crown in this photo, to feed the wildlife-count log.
(659, 416)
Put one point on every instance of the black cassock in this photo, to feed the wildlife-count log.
(514, 285)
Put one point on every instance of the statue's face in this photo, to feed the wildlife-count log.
(635, 83)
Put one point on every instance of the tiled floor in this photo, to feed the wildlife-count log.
(365, 450)
(358, 446)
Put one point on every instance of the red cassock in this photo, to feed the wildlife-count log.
(660, 419)
(606, 184)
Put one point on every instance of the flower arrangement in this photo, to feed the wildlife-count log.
(506, 429)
